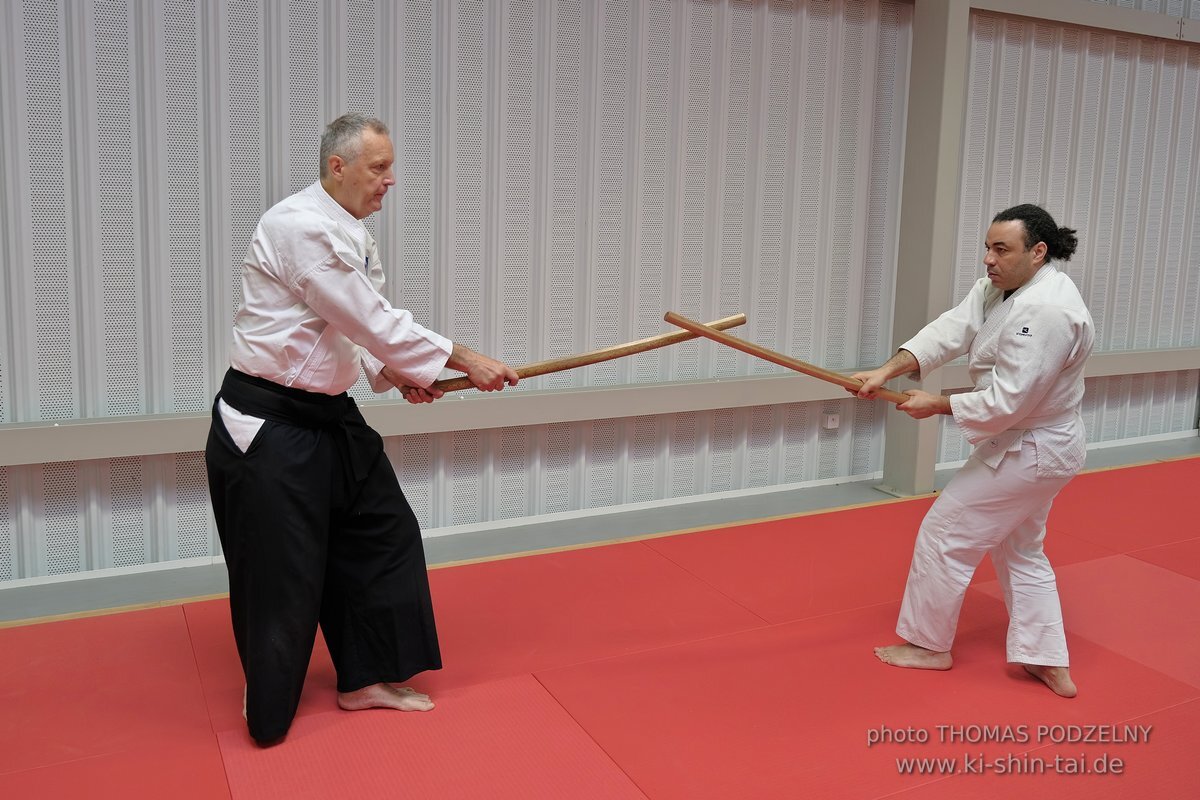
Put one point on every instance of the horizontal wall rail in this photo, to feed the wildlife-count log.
(118, 437)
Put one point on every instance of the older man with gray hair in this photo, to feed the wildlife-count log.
(313, 523)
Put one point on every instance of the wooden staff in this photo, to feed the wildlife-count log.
(779, 358)
(597, 356)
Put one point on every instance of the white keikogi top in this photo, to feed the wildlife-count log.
(1026, 358)
(312, 314)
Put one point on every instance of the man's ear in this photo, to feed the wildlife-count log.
(336, 166)
(1039, 251)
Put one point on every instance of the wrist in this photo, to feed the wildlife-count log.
(460, 357)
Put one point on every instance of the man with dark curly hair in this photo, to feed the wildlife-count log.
(1027, 334)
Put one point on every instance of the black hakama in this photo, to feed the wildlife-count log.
(315, 528)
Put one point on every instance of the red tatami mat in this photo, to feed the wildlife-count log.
(519, 615)
(1148, 613)
(799, 567)
(1131, 508)
(498, 740)
(729, 663)
(167, 771)
(104, 694)
(786, 711)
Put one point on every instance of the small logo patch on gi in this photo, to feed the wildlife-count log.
(1025, 332)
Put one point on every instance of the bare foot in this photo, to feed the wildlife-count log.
(383, 695)
(409, 691)
(913, 657)
(1057, 678)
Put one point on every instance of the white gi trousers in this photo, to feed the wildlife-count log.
(1001, 512)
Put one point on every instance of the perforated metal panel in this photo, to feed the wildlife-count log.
(512, 495)
(129, 543)
(469, 88)
(690, 256)
(1188, 9)
(412, 458)
(415, 289)
(685, 446)
(614, 125)
(731, 283)
(557, 467)
(192, 508)
(467, 465)
(123, 326)
(304, 82)
(62, 540)
(521, 254)
(8, 530)
(603, 465)
(54, 332)
(656, 62)
(723, 451)
(243, 36)
(362, 57)
(187, 319)
(562, 313)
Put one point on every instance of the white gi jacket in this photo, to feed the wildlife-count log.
(312, 312)
(1026, 358)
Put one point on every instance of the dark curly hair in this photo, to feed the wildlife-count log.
(1041, 227)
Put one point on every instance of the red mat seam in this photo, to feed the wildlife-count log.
(57, 764)
(204, 696)
(588, 733)
(676, 564)
(1134, 554)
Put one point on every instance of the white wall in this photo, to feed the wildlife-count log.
(567, 172)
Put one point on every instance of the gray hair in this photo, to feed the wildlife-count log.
(343, 137)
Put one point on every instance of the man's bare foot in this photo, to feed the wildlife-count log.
(409, 691)
(383, 695)
(1057, 678)
(913, 657)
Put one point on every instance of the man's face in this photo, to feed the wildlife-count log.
(1009, 264)
(359, 186)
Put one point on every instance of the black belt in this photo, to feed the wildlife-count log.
(338, 415)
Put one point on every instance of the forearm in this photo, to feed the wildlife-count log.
(461, 357)
(902, 363)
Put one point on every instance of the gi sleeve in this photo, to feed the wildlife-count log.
(1038, 342)
(336, 288)
(950, 335)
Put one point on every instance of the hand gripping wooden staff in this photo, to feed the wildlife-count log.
(710, 332)
(597, 356)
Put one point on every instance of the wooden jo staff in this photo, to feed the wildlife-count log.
(709, 332)
(597, 356)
